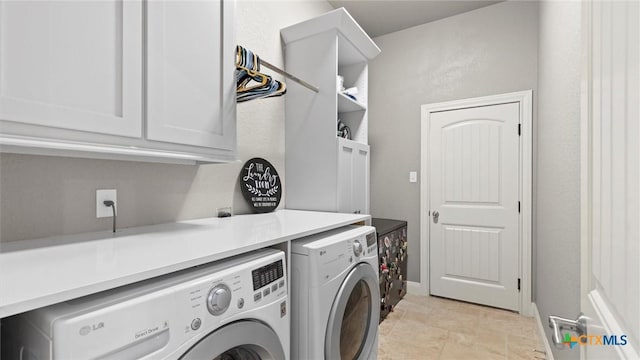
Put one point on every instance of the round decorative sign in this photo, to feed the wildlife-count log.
(260, 185)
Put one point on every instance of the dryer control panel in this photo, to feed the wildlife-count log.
(333, 256)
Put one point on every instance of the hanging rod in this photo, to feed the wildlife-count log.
(292, 77)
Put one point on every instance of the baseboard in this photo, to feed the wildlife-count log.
(415, 288)
(543, 335)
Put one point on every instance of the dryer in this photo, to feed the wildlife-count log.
(335, 295)
(235, 308)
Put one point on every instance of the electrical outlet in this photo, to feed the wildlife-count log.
(101, 209)
(413, 176)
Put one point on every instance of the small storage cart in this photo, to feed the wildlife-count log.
(392, 250)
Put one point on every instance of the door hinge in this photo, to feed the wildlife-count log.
(519, 129)
(518, 284)
(518, 207)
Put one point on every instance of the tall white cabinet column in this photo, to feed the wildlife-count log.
(326, 172)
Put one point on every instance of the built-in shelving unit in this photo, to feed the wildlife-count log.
(325, 172)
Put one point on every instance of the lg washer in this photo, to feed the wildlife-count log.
(231, 309)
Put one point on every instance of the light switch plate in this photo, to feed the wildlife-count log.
(413, 176)
(102, 195)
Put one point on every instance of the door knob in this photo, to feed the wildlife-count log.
(436, 215)
(557, 323)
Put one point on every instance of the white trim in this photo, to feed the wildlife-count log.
(585, 160)
(543, 335)
(585, 156)
(39, 146)
(338, 19)
(525, 99)
(425, 224)
(415, 288)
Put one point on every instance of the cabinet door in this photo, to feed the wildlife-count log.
(360, 180)
(345, 176)
(353, 177)
(190, 89)
(72, 65)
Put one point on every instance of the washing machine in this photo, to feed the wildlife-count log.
(335, 295)
(232, 309)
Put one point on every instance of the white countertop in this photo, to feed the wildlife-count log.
(41, 272)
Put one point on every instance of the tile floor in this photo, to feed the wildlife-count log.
(426, 327)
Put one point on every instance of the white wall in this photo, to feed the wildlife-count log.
(487, 51)
(557, 244)
(46, 196)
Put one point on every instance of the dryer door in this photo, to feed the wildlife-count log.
(353, 321)
(242, 340)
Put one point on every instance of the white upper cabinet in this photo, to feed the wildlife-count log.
(186, 102)
(119, 79)
(72, 65)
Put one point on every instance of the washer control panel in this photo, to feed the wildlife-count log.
(220, 291)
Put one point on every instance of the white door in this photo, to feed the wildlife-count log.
(353, 177)
(474, 204)
(72, 65)
(190, 92)
(610, 283)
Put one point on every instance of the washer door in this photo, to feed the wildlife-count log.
(242, 340)
(354, 316)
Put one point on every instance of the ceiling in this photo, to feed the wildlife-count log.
(379, 17)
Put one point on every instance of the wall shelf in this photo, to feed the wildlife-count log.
(346, 104)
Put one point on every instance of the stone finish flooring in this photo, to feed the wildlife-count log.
(427, 327)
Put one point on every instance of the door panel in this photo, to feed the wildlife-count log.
(186, 82)
(353, 177)
(472, 253)
(611, 180)
(474, 164)
(345, 177)
(72, 65)
(360, 180)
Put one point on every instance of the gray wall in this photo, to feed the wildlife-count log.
(557, 263)
(488, 51)
(46, 196)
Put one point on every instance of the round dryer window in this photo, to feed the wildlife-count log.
(239, 353)
(242, 340)
(354, 316)
(355, 321)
